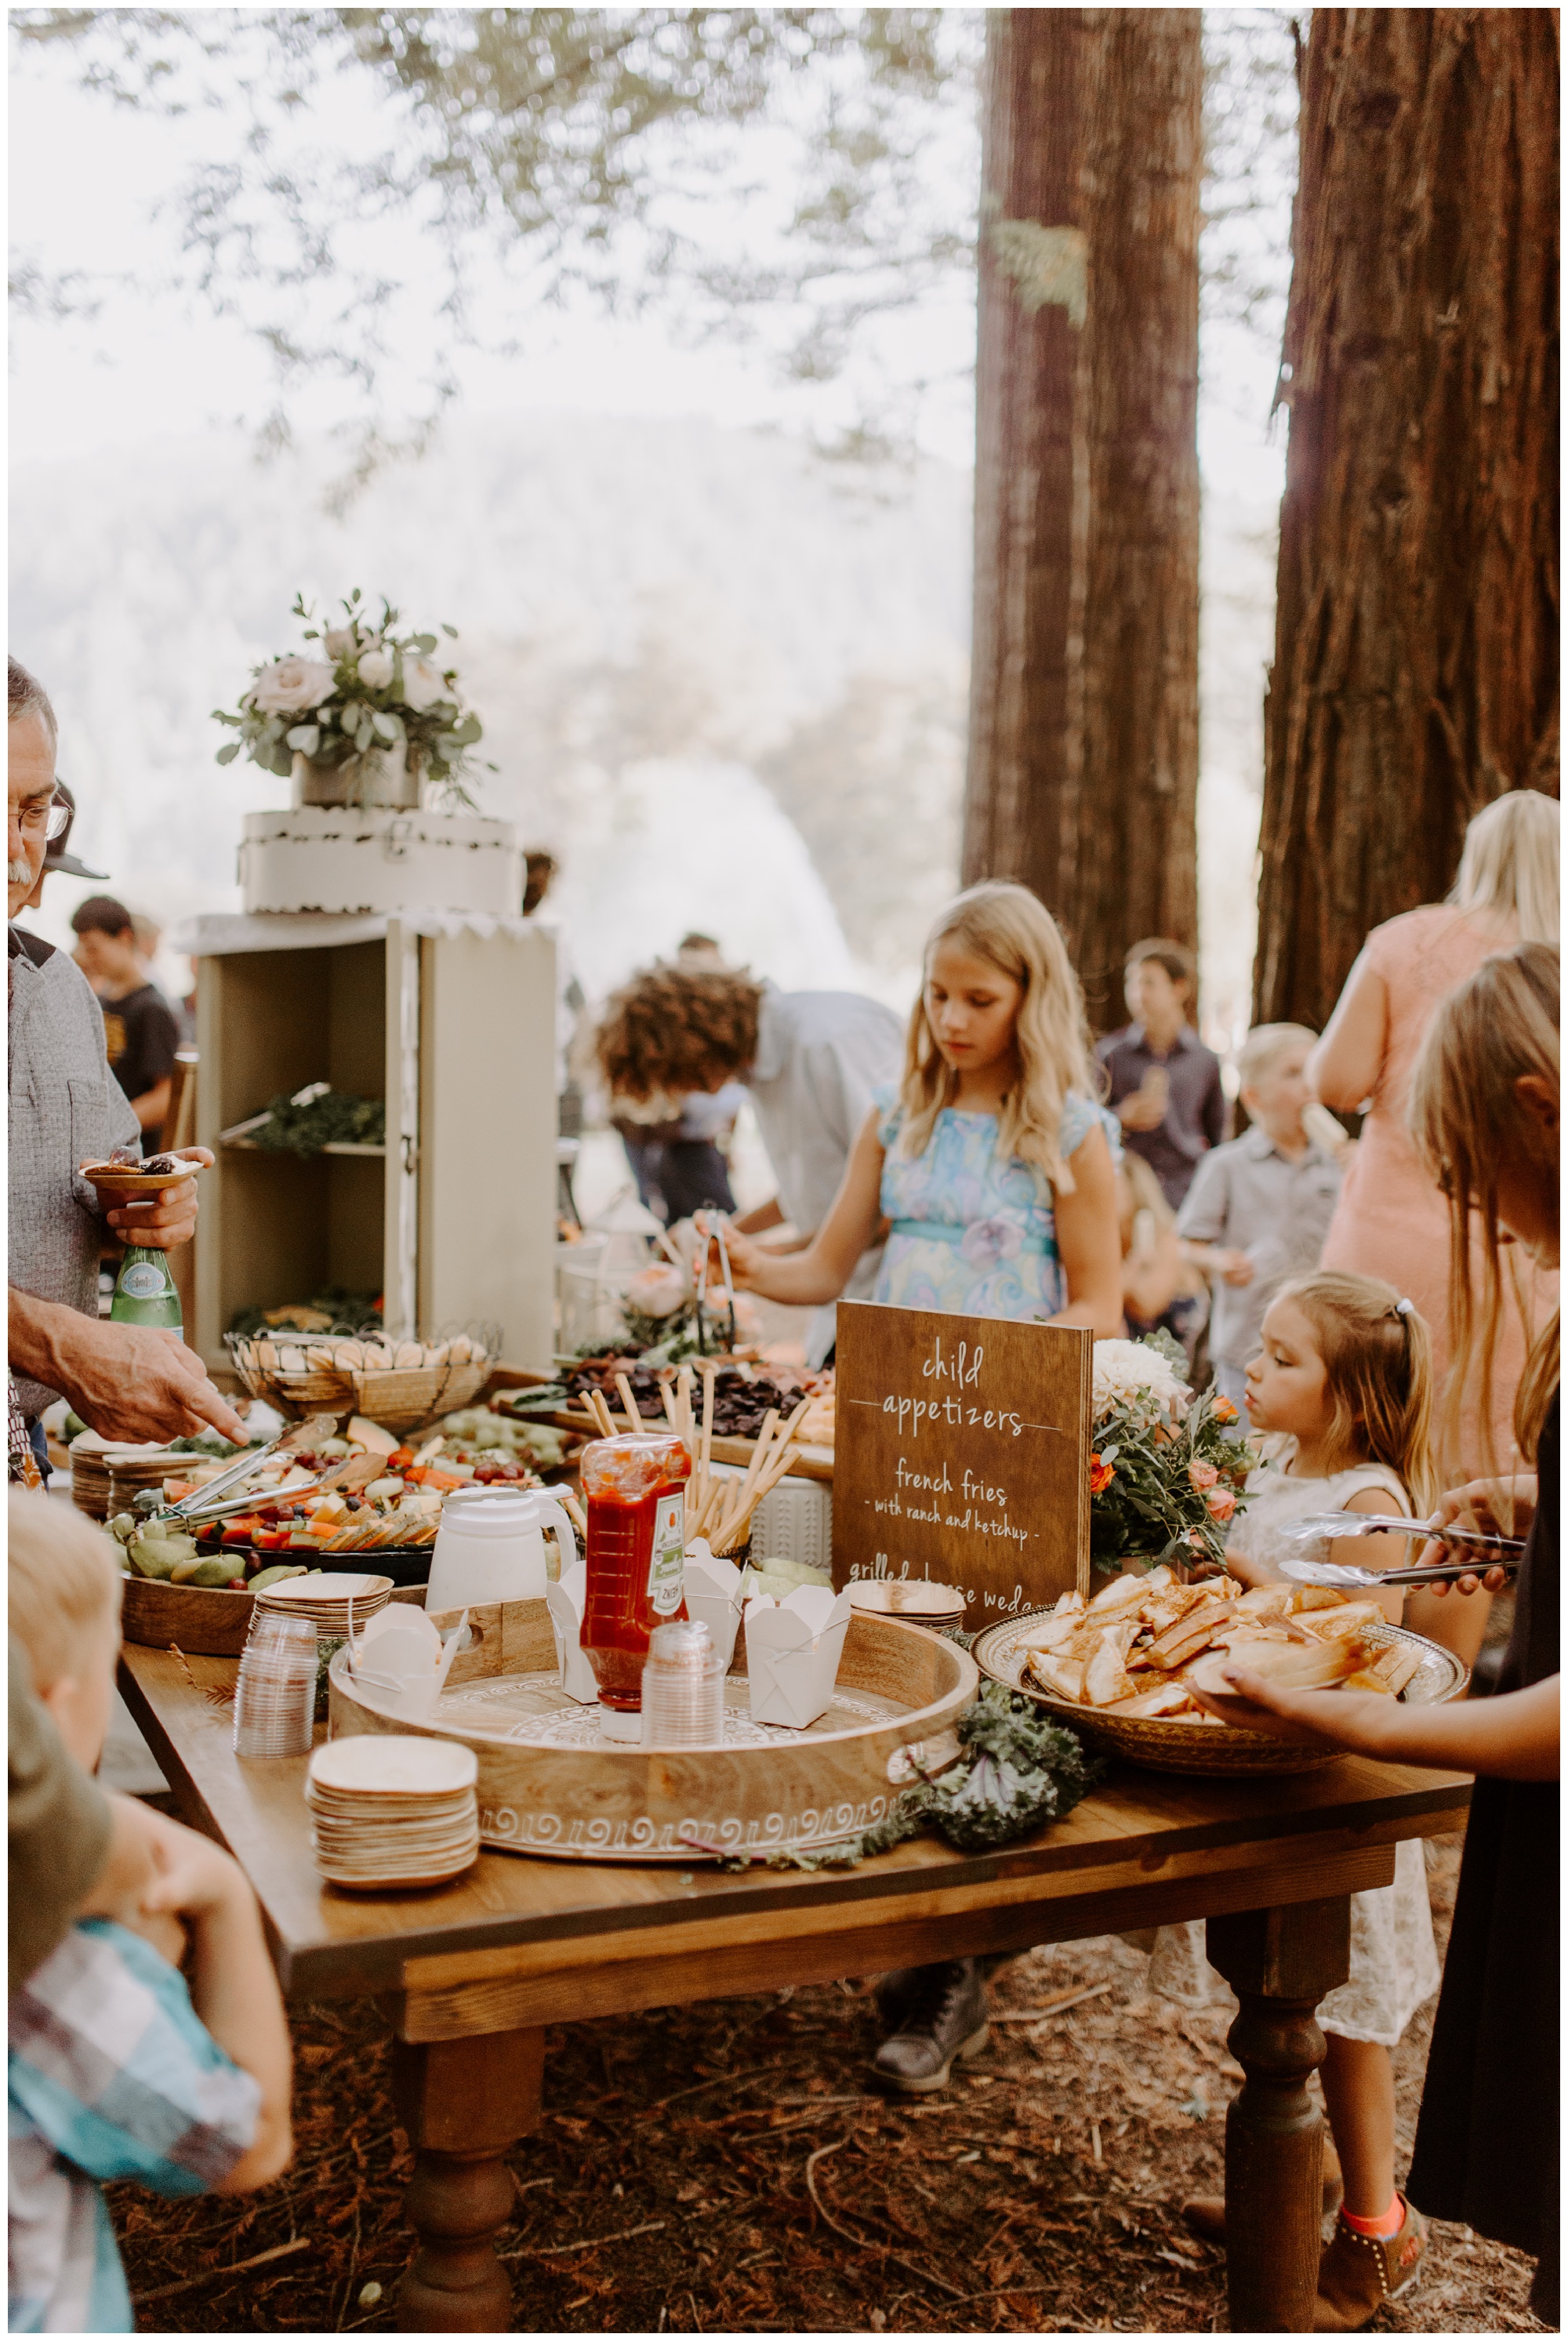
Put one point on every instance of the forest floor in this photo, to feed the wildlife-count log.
(724, 2166)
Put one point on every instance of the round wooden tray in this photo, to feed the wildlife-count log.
(1165, 1745)
(549, 1785)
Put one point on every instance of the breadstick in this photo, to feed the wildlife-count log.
(575, 1514)
(600, 1414)
(633, 1419)
(672, 1411)
(741, 1509)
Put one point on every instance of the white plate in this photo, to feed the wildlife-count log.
(379, 1764)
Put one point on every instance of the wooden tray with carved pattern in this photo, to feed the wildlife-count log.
(549, 1784)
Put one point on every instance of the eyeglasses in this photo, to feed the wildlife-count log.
(45, 817)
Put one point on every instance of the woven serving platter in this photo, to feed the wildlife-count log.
(1165, 1745)
(549, 1784)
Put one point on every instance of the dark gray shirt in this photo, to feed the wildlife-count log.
(1195, 1115)
(1249, 1197)
(66, 1108)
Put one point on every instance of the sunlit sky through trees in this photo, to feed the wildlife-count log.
(142, 359)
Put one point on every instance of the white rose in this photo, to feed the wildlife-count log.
(658, 1291)
(339, 641)
(292, 686)
(422, 683)
(1123, 1369)
(376, 666)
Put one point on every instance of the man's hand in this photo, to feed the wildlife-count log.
(1145, 1108)
(165, 1221)
(126, 1381)
(1236, 1267)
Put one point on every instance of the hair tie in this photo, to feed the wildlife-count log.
(1404, 1307)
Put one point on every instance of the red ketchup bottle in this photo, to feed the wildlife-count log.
(635, 1489)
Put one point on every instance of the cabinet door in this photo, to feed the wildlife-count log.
(487, 1118)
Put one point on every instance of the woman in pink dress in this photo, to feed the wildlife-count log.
(1391, 1220)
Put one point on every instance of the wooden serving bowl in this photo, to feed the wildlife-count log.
(120, 1183)
(1166, 1744)
(207, 1622)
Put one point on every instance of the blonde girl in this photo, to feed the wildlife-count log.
(1340, 1394)
(994, 1169)
(990, 1161)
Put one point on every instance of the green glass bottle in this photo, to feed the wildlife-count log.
(145, 1291)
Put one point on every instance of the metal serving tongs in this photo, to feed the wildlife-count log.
(714, 1232)
(206, 1502)
(1488, 1551)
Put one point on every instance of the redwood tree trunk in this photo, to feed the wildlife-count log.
(1416, 664)
(1084, 707)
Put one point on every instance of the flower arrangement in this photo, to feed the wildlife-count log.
(369, 687)
(1166, 1477)
(668, 1320)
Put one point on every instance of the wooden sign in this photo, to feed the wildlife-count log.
(963, 1454)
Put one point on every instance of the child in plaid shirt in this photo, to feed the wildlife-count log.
(117, 2069)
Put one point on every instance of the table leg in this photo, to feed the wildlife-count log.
(463, 2105)
(1280, 1963)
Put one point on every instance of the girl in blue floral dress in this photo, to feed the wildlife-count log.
(994, 1171)
(991, 1166)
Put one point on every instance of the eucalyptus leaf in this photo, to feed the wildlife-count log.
(228, 751)
(305, 737)
(384, 724)
(424, 642)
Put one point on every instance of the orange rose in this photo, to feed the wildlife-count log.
(1222, 1504)
(1202, 1475)
(1100, 1475)
(1225, 1411)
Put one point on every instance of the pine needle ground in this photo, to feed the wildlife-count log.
(724, 2168)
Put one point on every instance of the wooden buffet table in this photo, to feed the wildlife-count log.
(470, 1975)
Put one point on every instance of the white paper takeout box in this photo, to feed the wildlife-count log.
(793, 1650)
(401, 1652)
(714, 1596)
(567, 1600)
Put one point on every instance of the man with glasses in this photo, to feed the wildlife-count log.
(128, 1381)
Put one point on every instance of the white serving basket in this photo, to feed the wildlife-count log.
(793, 1523)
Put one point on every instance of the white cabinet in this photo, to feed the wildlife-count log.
(452, 1023)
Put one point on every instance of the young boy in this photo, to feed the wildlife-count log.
(1165, 1084)
(118, 2069)
(1259, 1208)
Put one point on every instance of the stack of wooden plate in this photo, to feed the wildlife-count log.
(914, 1599)
(90, 1475)
(393, 1810)
(106, 1473)
(325, 1601)
(132, 1469)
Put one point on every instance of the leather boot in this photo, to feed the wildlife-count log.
(1358, 2273)
(898, 1992)
(1205, 2214)
(944, 2018)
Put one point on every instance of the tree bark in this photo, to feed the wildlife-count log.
(1416, 671)
(1083, 705)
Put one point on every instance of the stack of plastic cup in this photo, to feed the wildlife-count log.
(683, 1688)
(275, 1698)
